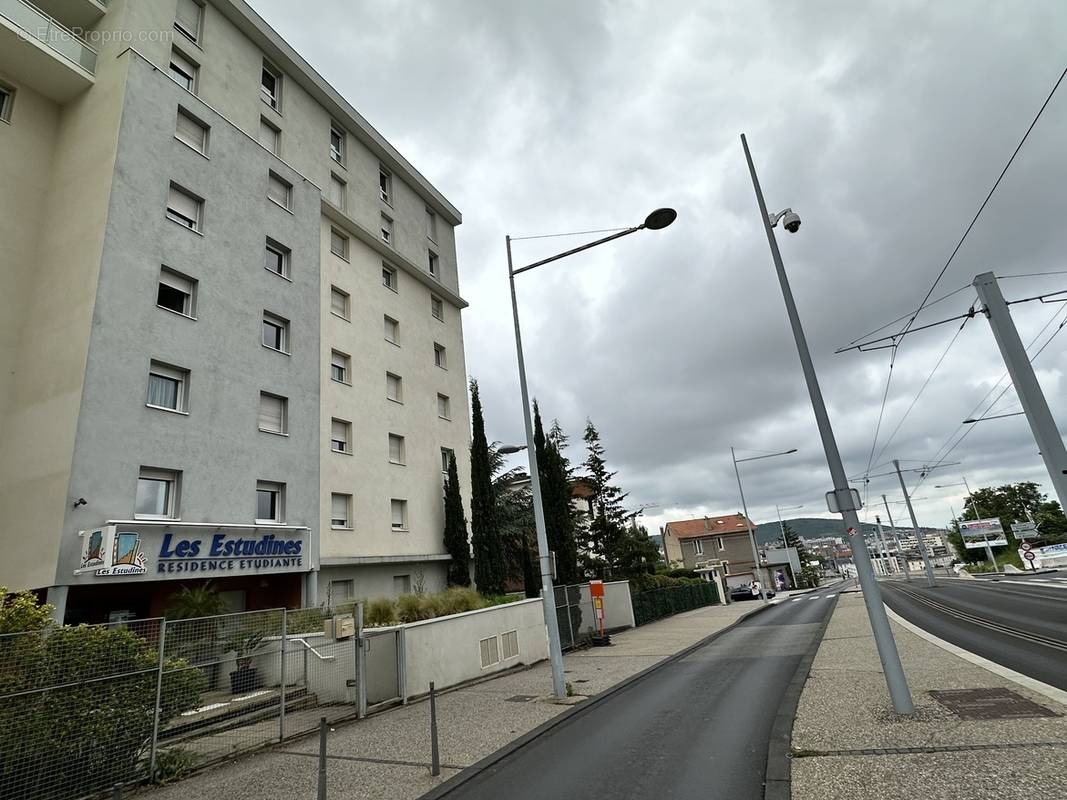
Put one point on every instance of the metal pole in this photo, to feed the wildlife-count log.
(781, 524)
(978, 516)
(748, 525)
(883, 635)
(881, 540)
(548, 597)
(1032, 398)
(281, 715)
(915, 524)
(322, 758)
(896, 538)
(159, 701)
(435, 753)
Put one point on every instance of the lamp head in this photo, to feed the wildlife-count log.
(508, 449)
(660, 219)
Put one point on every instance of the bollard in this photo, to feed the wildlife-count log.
(435, 753)
(322, 758)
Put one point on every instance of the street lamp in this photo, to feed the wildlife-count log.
(779, 509)
(748, 522)
(842, 499)
(509, 449)
(657, 220)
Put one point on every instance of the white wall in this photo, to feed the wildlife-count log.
(618, 608)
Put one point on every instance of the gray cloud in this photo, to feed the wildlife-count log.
(883, 124)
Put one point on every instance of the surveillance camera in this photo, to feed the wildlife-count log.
(791, 221)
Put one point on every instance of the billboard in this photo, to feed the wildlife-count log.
(980, 532)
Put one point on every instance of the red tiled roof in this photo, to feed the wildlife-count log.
(709, 526)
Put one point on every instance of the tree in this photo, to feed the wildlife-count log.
(514, 514)
(455, 534)
(808, 574)
(554, 470)
(608, 525)
(489, 566)
(1011, 503)
(635, 553)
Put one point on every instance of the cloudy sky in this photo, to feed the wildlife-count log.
(884, 124)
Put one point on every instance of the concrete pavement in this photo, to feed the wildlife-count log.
(849, 745)
(387, 756)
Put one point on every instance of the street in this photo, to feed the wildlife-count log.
(1018, 624)
(695, 727)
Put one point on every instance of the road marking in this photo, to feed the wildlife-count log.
(1032, 581)
(1051, 692)
(796, 599)
(831, 595)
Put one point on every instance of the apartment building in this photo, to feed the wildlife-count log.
(231, 337)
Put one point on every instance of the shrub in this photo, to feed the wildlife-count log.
(380, 611)
(458, 599)
(174, 764)
(20, 612)
(413, 607)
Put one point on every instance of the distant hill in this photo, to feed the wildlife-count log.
(814, 528)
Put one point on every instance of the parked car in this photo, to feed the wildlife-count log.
(747, 592)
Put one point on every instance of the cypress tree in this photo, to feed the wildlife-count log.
(489, 567)
(608, 526)
(456, 542)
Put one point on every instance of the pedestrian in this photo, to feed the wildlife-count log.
(779, 579)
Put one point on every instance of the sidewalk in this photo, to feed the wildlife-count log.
(387, 756)
(847, 741)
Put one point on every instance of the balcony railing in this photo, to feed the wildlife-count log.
(37, 25)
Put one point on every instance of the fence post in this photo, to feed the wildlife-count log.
(435, 754)
(322, 758)
(361, 664)
(159, 701)
(402, 663)
(281, 716)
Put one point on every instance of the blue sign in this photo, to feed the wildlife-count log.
(224, 552)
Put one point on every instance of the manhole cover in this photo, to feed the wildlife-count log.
(989, 704)
(521, 698)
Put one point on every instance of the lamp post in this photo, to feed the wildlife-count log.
(842, 499)
(657, 220)
(748, 522)
(779, 509)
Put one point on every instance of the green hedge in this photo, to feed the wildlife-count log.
(658, 603)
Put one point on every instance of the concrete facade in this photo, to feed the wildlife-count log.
(86, 162)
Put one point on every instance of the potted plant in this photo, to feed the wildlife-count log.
(244, 644)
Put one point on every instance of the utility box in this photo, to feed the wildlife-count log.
(342, 626)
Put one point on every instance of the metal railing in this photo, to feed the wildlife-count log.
(37, 25)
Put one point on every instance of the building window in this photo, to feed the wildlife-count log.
(337, 144)
(277, 258)
(168, 387)
(339, 302)
(157, 493)
(338, 191)
(698, 547)
(389, 279)
(273, 413)
(191, 131)
(399, 513)
(437, 308)
(431, 225)
(394, 387)
(439, 356)
(183, 71)
(270, 87)
(176, 292)
(385, 185)
(338, 244)
(447, 454)
(7, 100)
(184, 208)
(270, 501)
(270, 136)
(275, 332)
(280, 191)
(721, 545)
(509, 645)
(401, 585)
(187, 20)
(387, 230)
(392, 330)
(444, 407)
(396, 449)
(339, 591)
(341, 511)
(339, 366)
(434, 263)
(340, 436)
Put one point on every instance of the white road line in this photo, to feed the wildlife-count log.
(796, 599)
(831, 595)
(1051, 692)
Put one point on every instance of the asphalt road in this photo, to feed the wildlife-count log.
(1022, 626)
(697, 727)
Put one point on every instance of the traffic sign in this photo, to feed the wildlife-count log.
(1024, 530)
(1026, 546)
(1029, 555)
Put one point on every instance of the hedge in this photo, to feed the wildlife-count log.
(658, 603)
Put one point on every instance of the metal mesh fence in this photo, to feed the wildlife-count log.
(575, 618)
(658, 603)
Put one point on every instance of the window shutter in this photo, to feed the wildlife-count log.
(278, 191)
(175, 281)
(337, 303)
(183, 204)
(398, 513)
(191, 132)
(339, 511)
(340, 432)
(188, 17)
(271, 413)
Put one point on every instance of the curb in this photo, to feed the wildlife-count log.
(778, 776)
(478, 767)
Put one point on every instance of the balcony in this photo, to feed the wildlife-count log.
(74, 13)
(40, 52)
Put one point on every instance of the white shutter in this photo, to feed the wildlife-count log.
(191, 132)
(392, 387)
(184, 65)
(183, 204)
(339, 510)
(278, 191)
(398, 513)
(271, 413)
(337, 192)
(187, 18)
(339, 302)
(339, 432)
(175, 281)
(396, 448)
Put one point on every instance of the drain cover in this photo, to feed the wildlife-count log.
(521, 698)
(989, 704)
